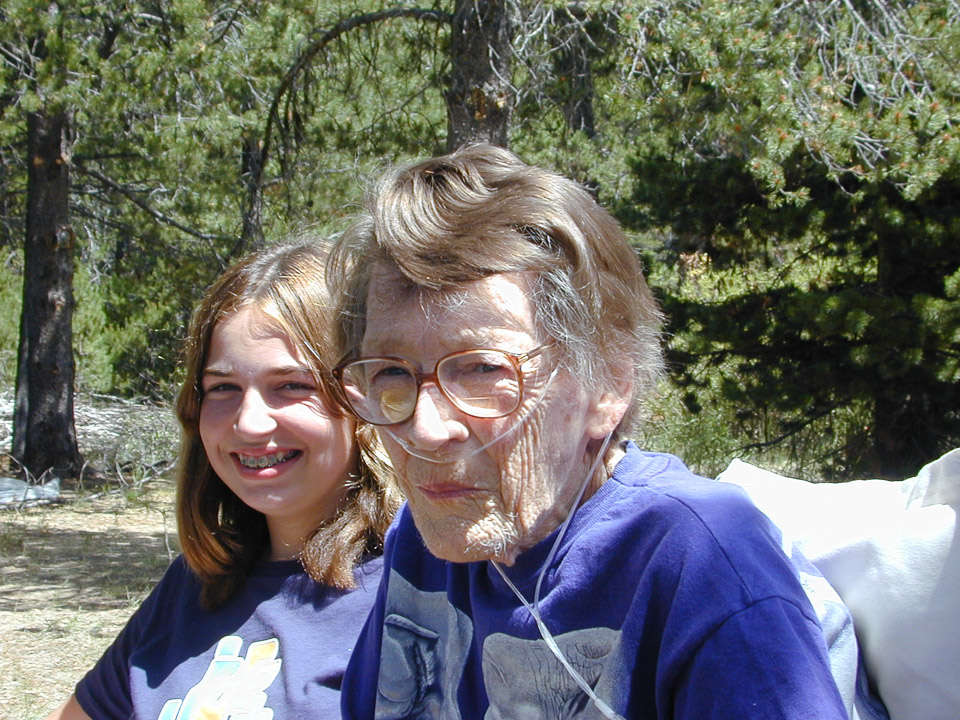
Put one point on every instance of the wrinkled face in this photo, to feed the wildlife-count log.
(495, 502)
(267, 431)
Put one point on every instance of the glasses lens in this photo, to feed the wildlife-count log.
(380, 391)
(483, 383)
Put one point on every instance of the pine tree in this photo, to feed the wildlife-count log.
(809, 153)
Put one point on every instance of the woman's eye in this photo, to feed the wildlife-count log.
(390, 372)
(298, 387)
(481, 366)
(485, 368)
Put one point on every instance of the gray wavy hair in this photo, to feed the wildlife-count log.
(479, 211)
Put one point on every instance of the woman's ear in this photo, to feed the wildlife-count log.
(608, 409)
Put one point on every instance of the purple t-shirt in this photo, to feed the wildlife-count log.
(281, 645)
(670, 595)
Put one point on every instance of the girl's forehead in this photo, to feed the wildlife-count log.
(244, 331)
(256, 321)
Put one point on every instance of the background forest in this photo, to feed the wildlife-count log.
(789, 170)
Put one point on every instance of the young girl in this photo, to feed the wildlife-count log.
(281, 508)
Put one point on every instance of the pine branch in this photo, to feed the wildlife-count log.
(780, 438)
(144, 205)
(324, 38)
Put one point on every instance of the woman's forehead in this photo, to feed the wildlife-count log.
(494, 307)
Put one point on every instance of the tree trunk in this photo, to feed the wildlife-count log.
(251, 173)
(479, 101)
(905, 432)
(572, 65)
(44, 436)
(903, 440)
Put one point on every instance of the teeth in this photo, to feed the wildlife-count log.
(264, 461)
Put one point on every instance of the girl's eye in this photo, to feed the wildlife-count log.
(298, 386)
(220, 388)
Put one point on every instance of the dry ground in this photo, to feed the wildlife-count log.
(70, 575)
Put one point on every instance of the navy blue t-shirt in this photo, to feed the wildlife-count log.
(277, 649)
(670, 595)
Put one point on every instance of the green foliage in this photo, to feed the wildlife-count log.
(165, 102)
(94, 342)
(789, 170)
(11, 292)
(811, 151)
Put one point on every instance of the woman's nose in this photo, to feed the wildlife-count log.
(435, 421)
(255, 416)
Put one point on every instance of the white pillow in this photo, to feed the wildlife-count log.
(892, 552)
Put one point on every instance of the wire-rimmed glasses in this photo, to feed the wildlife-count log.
(482, 382)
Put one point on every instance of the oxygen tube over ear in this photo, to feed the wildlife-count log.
(534, 607)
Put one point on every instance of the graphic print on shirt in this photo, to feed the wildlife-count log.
(422, 654)
(233, 686)
(524, 679)
(424, 651)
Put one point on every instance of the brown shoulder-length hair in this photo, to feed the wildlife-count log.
(221, 537)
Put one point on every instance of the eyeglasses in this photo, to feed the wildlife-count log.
(482, 383)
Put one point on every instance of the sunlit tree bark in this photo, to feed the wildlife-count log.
(44, 436)
(479, 98)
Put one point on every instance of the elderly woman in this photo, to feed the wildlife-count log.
(498, 332)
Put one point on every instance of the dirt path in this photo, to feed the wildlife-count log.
(70, 575)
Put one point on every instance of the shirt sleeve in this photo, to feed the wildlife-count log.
(104, 692)
(765, 661)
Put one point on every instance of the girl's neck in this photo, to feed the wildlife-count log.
(284, 551)
(286, 540)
